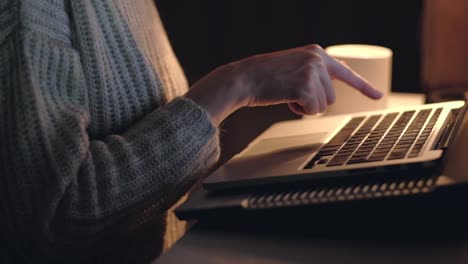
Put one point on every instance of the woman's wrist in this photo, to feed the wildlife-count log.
(221, 92)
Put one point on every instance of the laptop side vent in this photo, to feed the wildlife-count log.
(320, 195)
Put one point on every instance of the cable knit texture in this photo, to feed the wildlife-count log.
(92, 129)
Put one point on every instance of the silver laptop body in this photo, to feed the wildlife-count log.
(343, 147)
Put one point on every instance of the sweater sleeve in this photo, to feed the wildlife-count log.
(54, 175)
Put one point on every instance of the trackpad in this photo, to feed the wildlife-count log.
(272, 157)
(290, 144)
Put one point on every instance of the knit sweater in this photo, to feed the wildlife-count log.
(92, 129)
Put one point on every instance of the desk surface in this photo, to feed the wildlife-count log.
(220, 245)
(207, 246)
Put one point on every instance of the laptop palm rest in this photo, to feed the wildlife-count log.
(270, 157)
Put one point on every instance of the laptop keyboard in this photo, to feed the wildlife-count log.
(379, 137)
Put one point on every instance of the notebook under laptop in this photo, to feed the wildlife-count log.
(398, 151)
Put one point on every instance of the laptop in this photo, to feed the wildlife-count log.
(395, 152)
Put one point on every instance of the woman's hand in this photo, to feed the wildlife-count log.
(300, 77)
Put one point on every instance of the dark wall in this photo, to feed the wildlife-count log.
(209, 33)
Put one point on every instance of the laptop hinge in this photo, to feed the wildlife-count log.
(449, 129)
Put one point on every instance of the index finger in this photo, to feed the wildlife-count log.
(343, 73)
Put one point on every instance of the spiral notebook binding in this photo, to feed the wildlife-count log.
(329, 194)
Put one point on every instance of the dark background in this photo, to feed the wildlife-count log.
(208, 33)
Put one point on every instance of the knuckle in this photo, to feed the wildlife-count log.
(309, 53)
(303, 94)
(297, 93)
(308, 70)
(313, 61)
(306, 79)
(313, 56)
(307, 75)
(315, 47)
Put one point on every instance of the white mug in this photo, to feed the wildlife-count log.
(374, 63)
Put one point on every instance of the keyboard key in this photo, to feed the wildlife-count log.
(322, 161)
(375, 158)
(336, 161)
(355, 161)
(393, 136)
